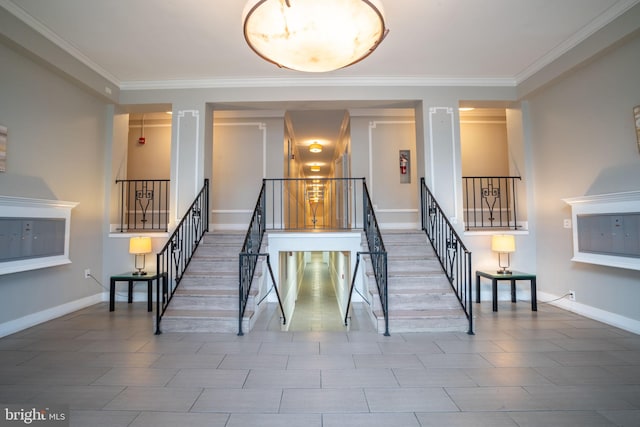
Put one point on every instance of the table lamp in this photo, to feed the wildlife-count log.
(139, 246)
(503, 244)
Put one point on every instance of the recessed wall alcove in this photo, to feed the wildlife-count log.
(606, 229)
(34, 233)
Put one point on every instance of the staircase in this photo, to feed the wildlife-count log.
(419, 293)
(420, 297)
(207, 298)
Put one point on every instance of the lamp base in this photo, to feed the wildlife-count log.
(504, 271)
(139, 273)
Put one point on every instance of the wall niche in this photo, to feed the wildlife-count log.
(607, 229)
(34, 233)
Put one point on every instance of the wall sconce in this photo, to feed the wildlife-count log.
(139, 246)
(315, 148)
(503, 244)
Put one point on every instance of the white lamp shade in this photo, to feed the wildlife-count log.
(503, 243)
(313, 35)
(140, 245)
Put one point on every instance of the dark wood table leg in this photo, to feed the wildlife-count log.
(149, 295)
(513, 290)
(534, 296)
(112, 295)
(477, 288)
(494, 293)
(130, 291)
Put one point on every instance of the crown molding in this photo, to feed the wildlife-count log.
(583, 34)
(615, 11)
(318, 82)
(57, 40)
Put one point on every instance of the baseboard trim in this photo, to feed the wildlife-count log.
(613, 319)
(22, 323)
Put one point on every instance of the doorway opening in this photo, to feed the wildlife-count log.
(316, 306)
(314, 288)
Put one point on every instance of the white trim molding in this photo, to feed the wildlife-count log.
(454, 180)
(600, 315)
(27, 208)
(33, 319)
(196, 161)
(609, 204)
(261, 126)
(372, 125)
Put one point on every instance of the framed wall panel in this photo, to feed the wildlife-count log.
(34, 233)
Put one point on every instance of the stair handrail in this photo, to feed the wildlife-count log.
(453, 255)
(273, 287)
(249, 254)
(175, 256)
(377, 254)
(353, 284)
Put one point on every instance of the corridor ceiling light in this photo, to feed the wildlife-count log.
(315, 168)
(315, 148)
(311, 35)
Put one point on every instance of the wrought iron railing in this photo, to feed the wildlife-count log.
(173, 259)
(454, 257)
(313, 203)
(490, 202)
(249, 255)
(378, 257)
(144, 204)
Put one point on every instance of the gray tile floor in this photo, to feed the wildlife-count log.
(550, 368)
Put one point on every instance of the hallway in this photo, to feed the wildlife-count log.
(317, 308)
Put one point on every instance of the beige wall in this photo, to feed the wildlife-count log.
(583, 143)
(151, 160)
(375, 145)
(484, 149)
(55, 150)
(244, 152)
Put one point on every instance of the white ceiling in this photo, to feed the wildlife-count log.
(196, 43)
(132, 41)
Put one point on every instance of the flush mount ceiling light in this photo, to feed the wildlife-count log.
(312, 35)
(315, 168)
(315, 148)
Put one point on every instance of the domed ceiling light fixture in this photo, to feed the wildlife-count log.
(315, 148)
(314, 35)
